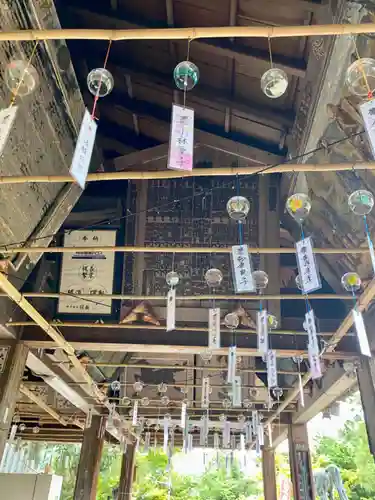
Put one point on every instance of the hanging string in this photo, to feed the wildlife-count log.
(100, 82)
(270, 51)
(240, 224)
(359, 60)
(186, 76)
(16, 90)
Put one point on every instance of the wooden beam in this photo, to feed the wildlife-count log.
(89, 461)
(241, 53)
(143, 157)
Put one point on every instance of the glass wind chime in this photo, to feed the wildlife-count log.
(274, 82)
(308, 280)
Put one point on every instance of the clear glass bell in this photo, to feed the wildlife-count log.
(260, 279)
(36, 430)
(162, 388)
(274, 83)
(145, 401)
(172, 279)
(115, 386)
(351, 282)
(297, 359)
(355, 77)
(186, 75)
(241, 418)
(138, 386)
(246, 403)
(164, 400)
(226, 403)
(21, 78)
(206, 355)
(213, 277)
(272, 322)
(100, 82)
(222, 417)
(253, 393)
(186, 402)
(238, 208)
(231, 320)
(22, 427)
(16, 418)
(361, 202)
(298, 282)
(298, 206)
(126, 401)
(277, 392)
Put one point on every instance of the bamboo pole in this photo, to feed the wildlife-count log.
(362, 304)
(188, 33)
(97, 298)
(116, 326)
(8, 250)
(196, 172)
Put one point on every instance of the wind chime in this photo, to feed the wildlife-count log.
(172, 280)
(274, 81)
(213, 278)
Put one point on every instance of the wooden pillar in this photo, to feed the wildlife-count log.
(12, 365)
(366, 382)
(89, 461)
(300, 462)
(269, 473)
(127, 473)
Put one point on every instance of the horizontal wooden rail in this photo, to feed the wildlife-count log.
(9, 250)
(196, 172)
(188, 33)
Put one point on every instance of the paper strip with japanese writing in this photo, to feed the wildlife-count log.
(135, 412)
(83, 151)
(7, 117)
(360, 328)
(307, 266)
(242, 270)
(205, 400)
(262, 331)
(315, 366)
(214, 328)
(236, 391)
(232, 361)
(311, 331)
(367, 109)
(171, 309)
(271, 369)
(181, 141)
(183, 415)
(166, 433)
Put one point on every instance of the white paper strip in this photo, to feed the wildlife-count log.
(367, 109)
(88, 418)
(233, 441)
(181, 141)
(248, 432)
(83, 151)
(301, 393)
(183, 415)
(311, 331)
(314, 360)
(371, 249)
(257, 445)
(271, 369)
(262, 331)
(123, 445)
(135, 412)
(216, 441)
(226, 434)
(13, 431)
(190, 442)
(237, 391)
(270, 440)
(214, 328)
(242, 442)
(254, 421)
(171, 309)
(147, 441)
(7, 117)
(166, 434)
(307, 267)
(361, 333)
(261, 435)
(232, 361)
(242, 270)
(205, 399)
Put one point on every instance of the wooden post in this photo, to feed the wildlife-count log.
(300, 462)
(89, 462)
(12, 365)
(269, 472)
(127, 473)
(366, 382)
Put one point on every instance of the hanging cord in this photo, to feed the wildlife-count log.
(359, 60)
(100, 82)
(186, 76)
(270, 51)
(16, 90)
(240, 223)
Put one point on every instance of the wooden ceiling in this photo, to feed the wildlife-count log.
(228, 100)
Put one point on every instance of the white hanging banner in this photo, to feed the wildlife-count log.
(147, 441)
(301, 393)
(361, 333)
(261, 435)
(7, 117)
(205, 399)
(183, 415)
(236, 391)
(216, 441)
(271, 369)
(226, 434)
(242, 442)
(248, 432)
(171, 309)
(311, 331)
(83, 151)
(13, 432)
(257, 445)
(262, 331)
(181, 141)
(214, 328)
(233, 442)
(254, 421)
(242, 270)
(315, 366)
(367, 109)
(190, 442)
(135, 412)
(307, 266)
(232, 361)
(166, 434)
